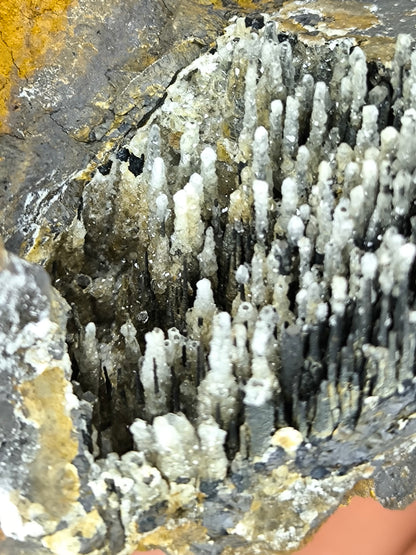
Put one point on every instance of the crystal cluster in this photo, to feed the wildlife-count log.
(241, 277)
(246, 257)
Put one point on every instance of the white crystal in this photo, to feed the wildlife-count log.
(261, 202)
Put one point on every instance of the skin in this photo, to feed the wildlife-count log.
(364, 527)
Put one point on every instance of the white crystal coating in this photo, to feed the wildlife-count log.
(158, 180)
(217, 392)
(153, 148)
(257, 392)
(339, 298)
(261, 161)
(263, 331)
(368, 134)
(155, 373)
(204, 304)
(177, 446)
(221, 346)
(188, 144)
(11, 521)
(295, 229)
(407, 141)
(319, 115)
(214, 461)
(369, 265)
(291, 127)
(208, 172)
(242, 275)
(188, 234)
(207, 257)
(289, 198)
(261, 201)
(358, 75)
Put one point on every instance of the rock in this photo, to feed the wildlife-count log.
(79, 77)
(238, 281)
(40, 484)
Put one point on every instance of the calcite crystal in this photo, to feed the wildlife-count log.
(241, 312)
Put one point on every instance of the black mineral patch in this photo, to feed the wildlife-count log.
(310, 19)
(152, 518)
(319, 472)
(105, 169)
(136, 164)
(123, 154)
(255, 21)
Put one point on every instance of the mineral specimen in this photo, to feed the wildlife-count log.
(77, 76)
(241, 278)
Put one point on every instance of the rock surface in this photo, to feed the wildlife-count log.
(40, 416)
(79, 75)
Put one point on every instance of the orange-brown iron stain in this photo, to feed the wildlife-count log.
(179, 537)
(349, 18)
(54, 480)
(29, 29)
(378, 49)
(363, 488)
(250, 5)
(337, 16)
(249, 550)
